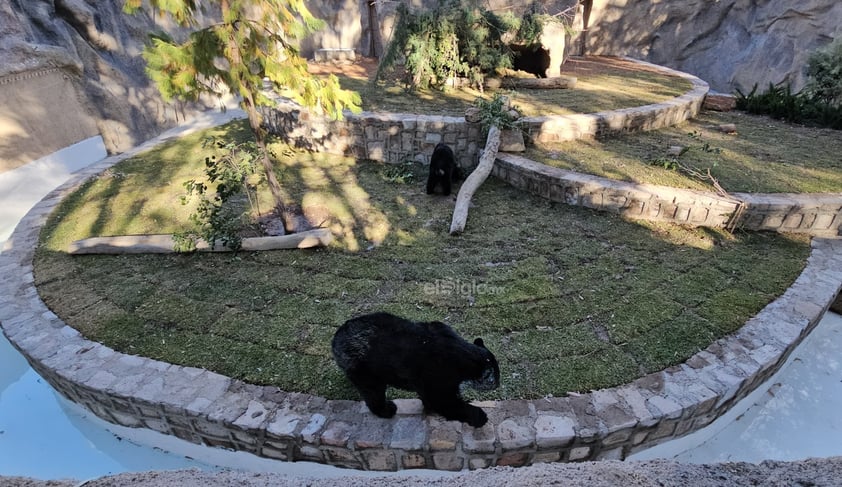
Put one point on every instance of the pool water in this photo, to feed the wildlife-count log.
(45, 437)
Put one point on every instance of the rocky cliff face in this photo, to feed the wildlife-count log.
(95, 49)
(731, 44)
(90, 52)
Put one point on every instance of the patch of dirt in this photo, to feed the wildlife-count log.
(365, 67)
(362, 67)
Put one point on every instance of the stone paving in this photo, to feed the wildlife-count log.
(204, 407)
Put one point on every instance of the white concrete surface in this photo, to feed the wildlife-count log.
(795, 415)
(24, 186)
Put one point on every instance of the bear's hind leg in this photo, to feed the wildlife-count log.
(453, 408)
(374, 396)
(431, 183)
(445, 183)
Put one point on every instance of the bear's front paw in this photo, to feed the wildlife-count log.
(387, 411)
(476, 417)
(391, 408)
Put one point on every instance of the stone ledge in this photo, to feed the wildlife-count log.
(817, 215)
(400, 137)
(207, 408)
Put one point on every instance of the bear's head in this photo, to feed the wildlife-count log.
(489, 378)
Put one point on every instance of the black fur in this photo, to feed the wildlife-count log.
(533, 59)
(381, 349)
(443, 170)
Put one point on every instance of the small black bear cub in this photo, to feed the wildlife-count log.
(380, 349)
(443, 169)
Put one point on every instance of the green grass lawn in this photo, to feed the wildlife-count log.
(568, 299)
(763, 156)
(604, 85)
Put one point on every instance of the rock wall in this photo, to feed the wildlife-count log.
(731, 44)
(88, 53)
(95, 77)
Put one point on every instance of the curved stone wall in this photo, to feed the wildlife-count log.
(812, 214)
(400, 137)
(206, 408)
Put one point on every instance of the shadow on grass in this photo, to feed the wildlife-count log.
(568, 299)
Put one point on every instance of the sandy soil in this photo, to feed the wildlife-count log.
(813, 472)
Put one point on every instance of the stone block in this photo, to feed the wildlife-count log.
(579, 453)
(511, 141)
(664, 429)
(413, 460)
(308, 453)
(409, 433)
(379, 460)
(668, 408)
(255, 415)
(450, 461)
(310, 433)
(336, 433)
(554, 431)
(479, 440)
(719, 102)
(444, 435)
(546, 457)
(270, 451)
(514, 435)
(517, 459)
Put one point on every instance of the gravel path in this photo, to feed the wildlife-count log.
(813, 472)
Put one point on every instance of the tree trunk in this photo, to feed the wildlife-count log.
(475, 179)
(247, 89)
(586, 20)
(268, 167)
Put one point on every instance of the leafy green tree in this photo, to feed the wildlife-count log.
(454, 38)
(249, 41)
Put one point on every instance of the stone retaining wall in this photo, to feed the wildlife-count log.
(813, 214)
(400, 137)
(207, 408)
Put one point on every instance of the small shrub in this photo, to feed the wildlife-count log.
(453, 39)
(824, 70)
(818, 104)
(495, 112)
(218, 218)
(402, 173)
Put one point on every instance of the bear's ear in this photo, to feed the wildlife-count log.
(478, 342)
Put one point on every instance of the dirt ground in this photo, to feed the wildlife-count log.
(365, 67)
(813, 472)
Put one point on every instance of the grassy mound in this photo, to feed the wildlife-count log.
(568, 299)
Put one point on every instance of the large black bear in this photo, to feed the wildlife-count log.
(380, 349)
(533, 59)
(443, 169)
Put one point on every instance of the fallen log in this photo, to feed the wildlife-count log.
(514, 82)
(165, 244)
(474, 180)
